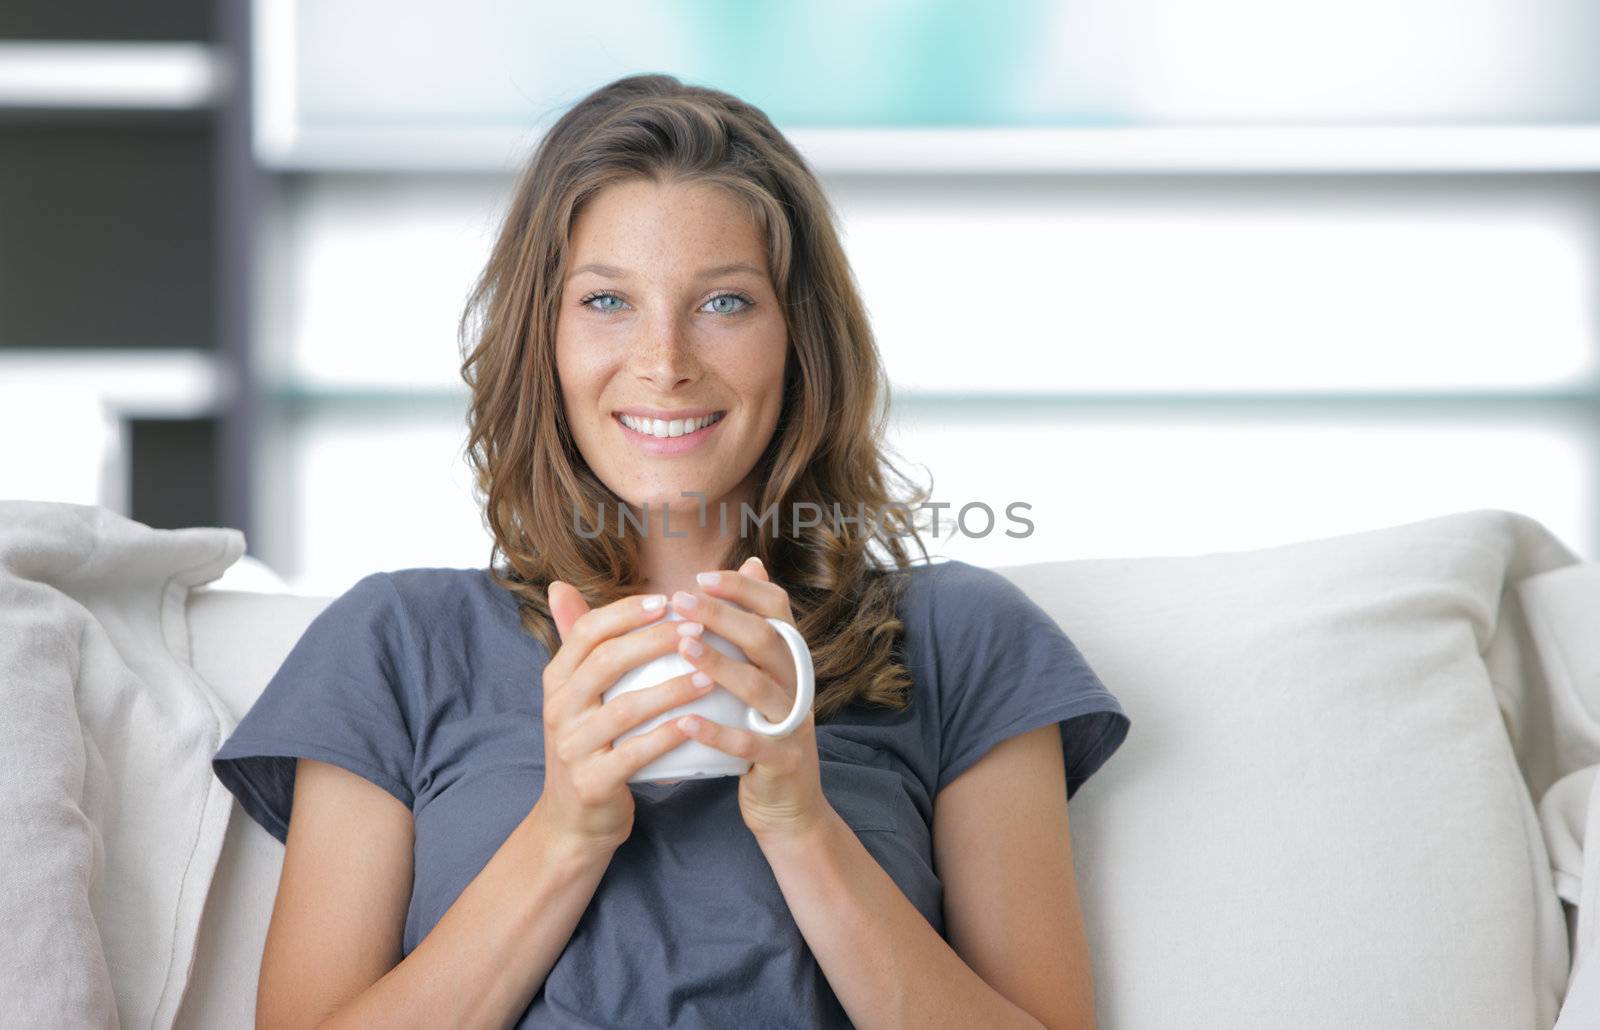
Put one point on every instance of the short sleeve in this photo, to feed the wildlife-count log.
(1004, 667)
(341, 696)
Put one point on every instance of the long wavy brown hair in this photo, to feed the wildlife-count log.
(843, 577)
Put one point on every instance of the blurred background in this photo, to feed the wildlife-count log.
(1180, 277)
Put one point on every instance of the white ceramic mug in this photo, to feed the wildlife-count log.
(693, 760)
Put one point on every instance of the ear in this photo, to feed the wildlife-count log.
(566, 606)
(752, 567)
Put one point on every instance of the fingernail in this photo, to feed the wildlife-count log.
(708, 579)
(753, 558)
(654, 601)
(694, 648)
(684, 599)
(690, 629)
(701, 680)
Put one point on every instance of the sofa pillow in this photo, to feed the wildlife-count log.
(110, 820)
(1323, 821)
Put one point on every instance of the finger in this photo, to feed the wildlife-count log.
(609, 659)
(599, 727)
(635, 753)
(566, 605)
(760, 596)
(590, 628)
(749, 632)
(727, 618)
(749, 684)
(729, 740)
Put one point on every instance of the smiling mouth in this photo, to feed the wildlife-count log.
(663, 429)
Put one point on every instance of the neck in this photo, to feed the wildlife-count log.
(670, 563)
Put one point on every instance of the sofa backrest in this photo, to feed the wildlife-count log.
(1325, 813)
(239, 639)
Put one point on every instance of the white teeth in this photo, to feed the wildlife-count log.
(664, 429)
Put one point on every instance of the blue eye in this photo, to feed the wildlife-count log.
(598, 296)
(731, 296)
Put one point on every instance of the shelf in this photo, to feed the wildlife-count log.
(1188, 150)
(133, 383)
(95, 75)
(1424, 149)
(1580, 399)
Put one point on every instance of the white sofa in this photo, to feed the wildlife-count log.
(1355, 791)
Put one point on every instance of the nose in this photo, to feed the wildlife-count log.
(663, 355)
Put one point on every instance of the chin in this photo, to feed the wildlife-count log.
(665, 495)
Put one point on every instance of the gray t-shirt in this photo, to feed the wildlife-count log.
(424, 682)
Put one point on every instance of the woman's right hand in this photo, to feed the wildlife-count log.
(586, 796)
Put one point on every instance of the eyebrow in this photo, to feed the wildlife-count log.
(613, 272)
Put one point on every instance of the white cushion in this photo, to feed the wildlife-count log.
(1318, 819)
(111, 821)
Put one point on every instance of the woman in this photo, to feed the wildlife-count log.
(466, 845)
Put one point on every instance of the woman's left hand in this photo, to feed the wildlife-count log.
(781, 794)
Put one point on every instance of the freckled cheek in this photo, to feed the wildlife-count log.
(752, 367)
(584, 372)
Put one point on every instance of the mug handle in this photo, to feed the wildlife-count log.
(805, 678)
